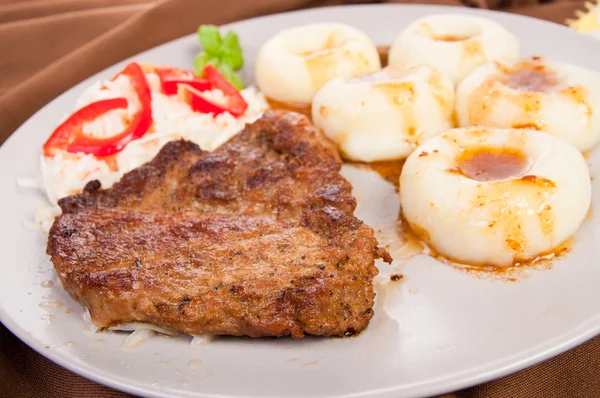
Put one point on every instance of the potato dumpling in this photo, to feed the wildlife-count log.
(558, 98)
(384, 115)
(295, 63)
(491, 197)
(454, 43)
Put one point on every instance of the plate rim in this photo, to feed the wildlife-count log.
(449, 383)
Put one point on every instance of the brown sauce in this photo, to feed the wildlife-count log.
(410, 244)
(512, 273)
(304, 109)
(537, 180)
(488, 164)
(399, 240)
(388, 170)
(384, 52)
(531, 76)
(531, 125)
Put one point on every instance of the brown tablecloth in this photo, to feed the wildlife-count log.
(47, 46)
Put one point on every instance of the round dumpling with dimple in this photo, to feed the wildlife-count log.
(454, 43)
(492, 197)
(295, 63)
(558, 98)
(384, 115)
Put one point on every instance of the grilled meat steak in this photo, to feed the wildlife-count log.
(257, 238)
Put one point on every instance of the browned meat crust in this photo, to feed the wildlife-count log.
(257, 238)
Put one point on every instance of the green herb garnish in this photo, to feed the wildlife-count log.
(224, 53)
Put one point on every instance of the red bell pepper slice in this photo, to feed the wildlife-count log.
(171, 78)
(69, 135)
(68, 130)
(234, 102)
(198, 102)
(236, 105)
(101, 147)
(169, 71)
(138, 126)
(170, 85)
(137, 77)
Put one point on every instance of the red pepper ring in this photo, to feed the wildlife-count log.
(137, 77)
(171, 78)
(100, 147)
(138, 126)
(68, 130)
(171, 84)
(236, 104)
(198, 102)
(69, 135)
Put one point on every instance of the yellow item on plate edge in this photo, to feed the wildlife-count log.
(587, 21)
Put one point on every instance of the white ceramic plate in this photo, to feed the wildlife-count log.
(437, 330)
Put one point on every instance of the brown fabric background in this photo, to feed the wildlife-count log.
(48, 46)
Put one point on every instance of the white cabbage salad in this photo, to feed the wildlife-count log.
(173, 119)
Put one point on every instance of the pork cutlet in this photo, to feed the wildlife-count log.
(257, 238)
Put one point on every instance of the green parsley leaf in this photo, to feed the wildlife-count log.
(231, 51)
(210, 38)
(203, 59)
(229, 74)
(225, 53)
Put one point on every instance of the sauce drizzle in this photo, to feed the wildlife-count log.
(489, 164)
(384, 52)
(542, 261)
